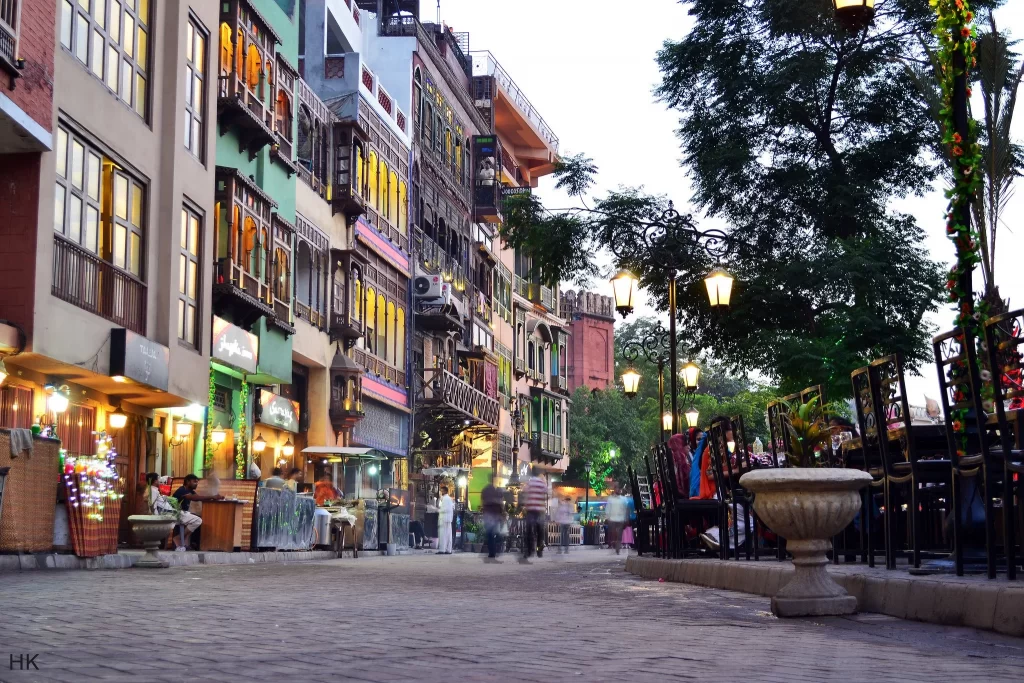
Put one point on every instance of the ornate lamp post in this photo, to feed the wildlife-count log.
(854, 14)
(655, 348)
(671, 241)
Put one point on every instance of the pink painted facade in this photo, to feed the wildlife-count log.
(592, 339)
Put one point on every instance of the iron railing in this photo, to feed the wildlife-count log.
(87, 281)
(435, 259)
(484, 64)
(8, 29)
(442, 386)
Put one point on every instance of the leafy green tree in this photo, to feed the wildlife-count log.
(799, 136)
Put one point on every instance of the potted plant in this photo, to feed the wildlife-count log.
(807, 506)
(151, 529)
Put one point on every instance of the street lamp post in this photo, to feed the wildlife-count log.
(672, 241)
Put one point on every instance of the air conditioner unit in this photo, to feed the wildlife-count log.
(428, 286)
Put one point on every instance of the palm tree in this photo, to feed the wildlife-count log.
(999, 74)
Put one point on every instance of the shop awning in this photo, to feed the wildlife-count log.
(348, 452)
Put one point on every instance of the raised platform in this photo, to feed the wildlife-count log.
(938, 599)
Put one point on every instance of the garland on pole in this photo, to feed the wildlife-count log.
(208, 447)
(957, 38)
(243, 399)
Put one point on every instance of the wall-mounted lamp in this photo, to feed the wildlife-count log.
(259, 444)
(58, 399)
(182, 430)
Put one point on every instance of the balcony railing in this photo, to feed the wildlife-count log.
(8, 19)
(547, 298)
(231, 86)
(83, 279)
(441, 386)
(562, 382)
(387, 229)
(435, 259)
(230, 272)
(312, 316)
(459, 456)
(520, 366)
(549, 443)
(379, 367)
(484, 64)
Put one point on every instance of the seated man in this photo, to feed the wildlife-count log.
(275, 481)
(189, 522)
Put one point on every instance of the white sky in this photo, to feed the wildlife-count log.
(588, 67)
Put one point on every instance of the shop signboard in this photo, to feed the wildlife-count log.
(234, 346)
(139, 359)
(278, 411)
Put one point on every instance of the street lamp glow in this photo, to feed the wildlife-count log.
(692, 416)
(117, 419)
(666, 421)
(183, 429)
(854, 14)
(719, 284)
(218, 435)
(58, 399)
(259, 444)
(624, 286)
(611, 453)
(461, 481)
(691, 374)
(630, 382)
(373, 470)
(288, 449)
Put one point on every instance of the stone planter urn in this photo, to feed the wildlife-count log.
(807, 507)
(151, 529)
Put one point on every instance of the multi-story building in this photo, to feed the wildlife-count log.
(109, 224)
(362, 140)
(532, 337)
(591, 321)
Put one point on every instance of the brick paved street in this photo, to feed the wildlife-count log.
(454, 618)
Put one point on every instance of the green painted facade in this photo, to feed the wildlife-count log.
(270, 176)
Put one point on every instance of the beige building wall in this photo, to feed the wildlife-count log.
(155, 151)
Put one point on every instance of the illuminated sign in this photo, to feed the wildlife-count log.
(234, 346)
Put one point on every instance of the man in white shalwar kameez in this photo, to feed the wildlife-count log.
(446, 513)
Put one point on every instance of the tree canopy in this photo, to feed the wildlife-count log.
(800, 136)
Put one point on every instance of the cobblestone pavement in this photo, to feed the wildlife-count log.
(454, 618)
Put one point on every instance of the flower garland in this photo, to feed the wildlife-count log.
(957, 39)
(243, 400)
(208, 447)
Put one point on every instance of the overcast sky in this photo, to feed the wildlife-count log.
(588, 67)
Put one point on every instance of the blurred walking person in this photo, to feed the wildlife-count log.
(535, 495)
(445, 516)
(564, 518)
(615, 514)
(492, 499)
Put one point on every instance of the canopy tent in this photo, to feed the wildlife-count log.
(345, 452)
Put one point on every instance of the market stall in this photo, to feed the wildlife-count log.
(357, 473)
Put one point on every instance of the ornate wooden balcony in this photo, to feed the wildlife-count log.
(242, 291)
(455, 401)
(87, 281)
(546, 447)
(240, 109)
(379, 367)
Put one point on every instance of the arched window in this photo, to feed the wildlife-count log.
(357, 296)
(284, 114)
(304, 274)
(400, 339)
(540, 361)
(530, 362)
(255, 68)
(249, 236)
(360, 172)
(240, 54)
(382, 330)
(371, 179)
(391, 334)
(448, 146)
(403, 207)
(226, 49)
(458, 160)
(393, 206)
(382, 205)
(371, 319)
(262, 255)
(282, 275)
